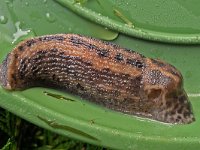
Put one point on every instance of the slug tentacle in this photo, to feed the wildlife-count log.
(102, 72)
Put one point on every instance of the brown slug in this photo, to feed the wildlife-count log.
(117, 78)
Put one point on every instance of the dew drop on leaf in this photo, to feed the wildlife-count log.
(3, 19)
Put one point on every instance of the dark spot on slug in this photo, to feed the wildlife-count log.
(172, 112)
(14, 77)
(88, 63)
(80, 87)
(125, 75)
(180, 110)
(33, 68)
(119, 57)
(76, 41)
(131, 61)
(115, 46)
(173, 72)
(158, 63)
(43, 52)
(21, 75)
(16, 56)
(61, 53)
(53, 76)
(188, 107)
(139, 64)
(23, 60)
(176, 106)
(181, 99)
(185, 114)
(54, 50)
(128, 50)
(24, 67)
(30, 42)
(21, 48)
(103, 52)
(106, 70)
(135, 63)
(179, 117)
(168, 104)
(89, 46)
(35, 72)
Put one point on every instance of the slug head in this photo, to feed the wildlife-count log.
(163, 88)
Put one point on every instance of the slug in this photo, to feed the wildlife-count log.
(101, 72)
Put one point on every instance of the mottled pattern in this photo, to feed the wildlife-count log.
(102, 72)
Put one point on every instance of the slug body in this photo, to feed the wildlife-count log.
(102, 72)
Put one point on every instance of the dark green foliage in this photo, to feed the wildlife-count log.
(18, 134)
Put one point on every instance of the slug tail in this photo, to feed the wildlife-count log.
(3, 74)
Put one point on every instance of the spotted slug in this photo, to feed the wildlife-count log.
(101, 72)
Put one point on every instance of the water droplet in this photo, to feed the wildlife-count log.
(50, 17)
(134, 5)
(197, 38)
(3, 19)
(70, 29)
(27, 3)
(21, 34)
(45, 1)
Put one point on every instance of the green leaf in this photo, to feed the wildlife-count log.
(154, 21)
